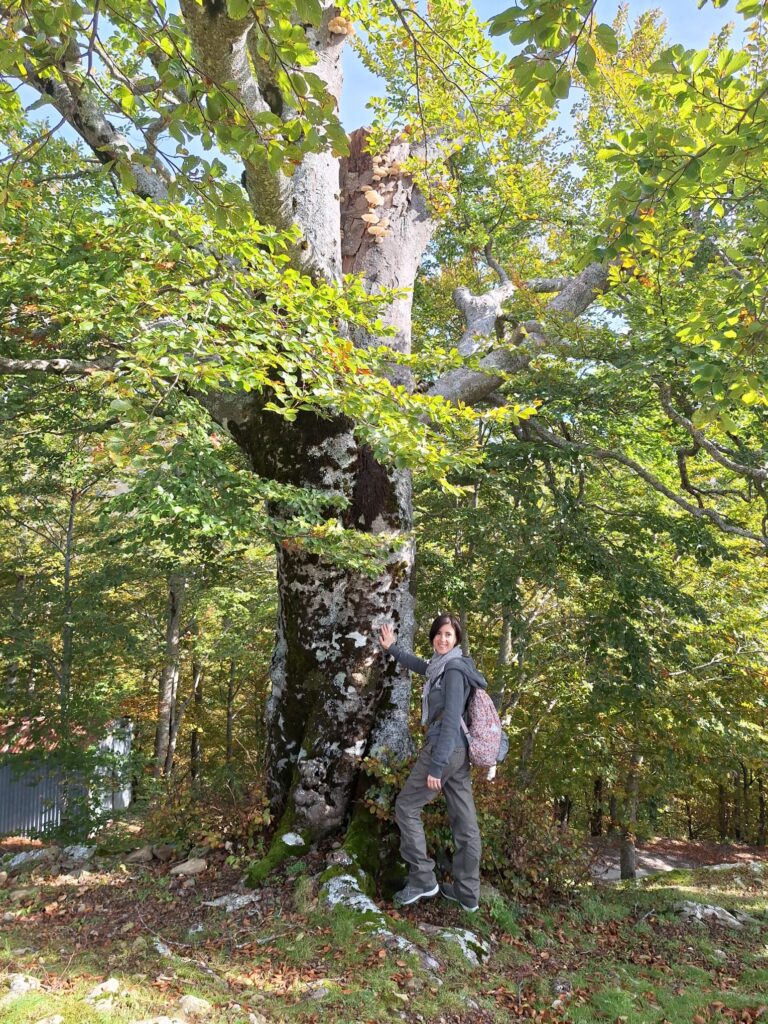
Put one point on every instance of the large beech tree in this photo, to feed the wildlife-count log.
(151, 94)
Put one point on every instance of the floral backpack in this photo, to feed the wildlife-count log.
(488, 743)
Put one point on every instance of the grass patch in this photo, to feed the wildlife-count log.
(618, 952)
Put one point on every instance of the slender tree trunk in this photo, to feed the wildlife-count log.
(169, 676)
(17, 615)
(507, 702)
(613, 813)
(596, 818)
(722, 812)
(746, 783)
(504, 658)
(464, 622)
(528, 744)
(231, 691)
(689, 819)
(67, 628)
(761, 820)
(195, 747)
(563, 807)
(628, 853)
(738, 830)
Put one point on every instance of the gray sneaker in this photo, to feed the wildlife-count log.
(449, 891)
(413, 893)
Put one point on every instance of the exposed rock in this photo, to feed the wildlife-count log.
(193, 866)
(104, 1005)
(257, 1018)
(293, 839)
(472, 946)
(316, 989)
(164, 852)
(142, 856)
(78, 854)
(3, 877)
(757, 867)
(161, 948)
(55, 1019)
(193, 1006)
(340, 857)
(403, 945)
(233, 901)
(20, 984)
(17, 895)
(701, 912)
(110, 987)
(160, 1020)
(29, 859)
(344, 890)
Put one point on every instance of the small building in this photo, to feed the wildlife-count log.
(35, 787)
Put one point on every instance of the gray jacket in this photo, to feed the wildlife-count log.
(447, 700)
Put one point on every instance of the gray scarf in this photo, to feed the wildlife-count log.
(435, 668)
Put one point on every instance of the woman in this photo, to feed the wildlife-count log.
(442, 766)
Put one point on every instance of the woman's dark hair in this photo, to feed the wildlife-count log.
(444, 620)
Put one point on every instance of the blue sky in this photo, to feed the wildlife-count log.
(686, 25)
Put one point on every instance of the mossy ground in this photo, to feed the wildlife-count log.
(612, 953)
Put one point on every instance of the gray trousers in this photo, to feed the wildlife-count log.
(457, 790)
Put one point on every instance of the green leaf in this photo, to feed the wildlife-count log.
(736, 63)
(238, 8)
(606, 38)
(309, 11)
(562, 85)
(586, 59)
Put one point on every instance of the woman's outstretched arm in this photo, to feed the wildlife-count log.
(410, 661)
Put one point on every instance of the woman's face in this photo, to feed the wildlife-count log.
(444, 639)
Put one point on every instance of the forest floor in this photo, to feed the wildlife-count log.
(669, 854)
(109, 942)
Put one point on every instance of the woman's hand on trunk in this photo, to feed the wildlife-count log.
(386, 636)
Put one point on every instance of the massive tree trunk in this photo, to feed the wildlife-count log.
(330, 682)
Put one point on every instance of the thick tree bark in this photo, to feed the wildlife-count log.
(334, 698)
(330, 682)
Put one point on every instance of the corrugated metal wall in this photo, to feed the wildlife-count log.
(30, 802)
(33, 800)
